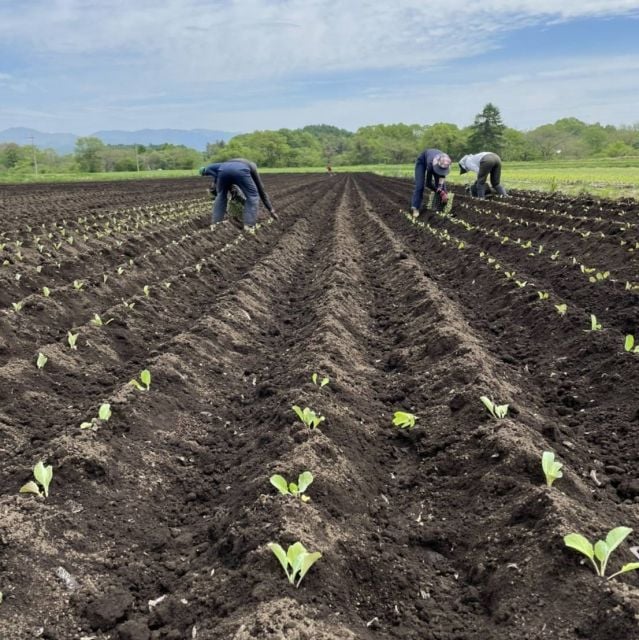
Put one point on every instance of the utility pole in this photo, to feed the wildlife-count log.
(35, 159)
(137, 158)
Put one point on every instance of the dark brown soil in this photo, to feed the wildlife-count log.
(162, 516)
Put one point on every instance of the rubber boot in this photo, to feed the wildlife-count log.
(500, 190)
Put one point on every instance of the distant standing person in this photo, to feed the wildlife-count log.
(242, 174)
(431, 168)
(483, 164)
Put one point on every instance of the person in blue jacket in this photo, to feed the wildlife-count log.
(431, 168)
(242, 174)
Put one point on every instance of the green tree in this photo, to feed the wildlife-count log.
(89, 153)
(487, 131)
(447, 137)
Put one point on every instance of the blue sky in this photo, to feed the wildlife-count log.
(241, 65)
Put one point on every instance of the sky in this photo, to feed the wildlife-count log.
(242, 65)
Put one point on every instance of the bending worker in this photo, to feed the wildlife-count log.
(434, 165)
(482, 164)
(243, 174)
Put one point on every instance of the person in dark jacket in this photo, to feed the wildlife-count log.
(242, 174)
(431, 168)
(483, 164)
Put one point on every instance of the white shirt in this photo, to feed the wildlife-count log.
(471, 162)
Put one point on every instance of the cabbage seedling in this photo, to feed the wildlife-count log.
(600, 553)
(46, 292)
(72, 338)
(497, 411)
(41, 361)
(144, 384)
(43, 476)
(297, 558)
(308, 417)
(322, 383)
(561, 309)
(304, 481)
(147, 290)
(594, 325)
(97, 321)
(629, 344)
(78, 284)
(17, 306)
(543, 295)
(551, 468)
(104, 412)
(404, 420)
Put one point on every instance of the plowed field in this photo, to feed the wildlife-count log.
(157, 522)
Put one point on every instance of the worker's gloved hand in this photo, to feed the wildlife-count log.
(201, 170)
(443, 195)
(274, 215)
(213, 191)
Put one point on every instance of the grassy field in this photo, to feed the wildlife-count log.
(606, 177)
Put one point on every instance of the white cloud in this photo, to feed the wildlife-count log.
(247, 39)
(223, 63)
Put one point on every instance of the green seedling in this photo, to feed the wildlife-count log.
(104, 412)
(128, 305)
(594, 325)
(308, 417)
(72, 338)
(120, 270)
(144, 384)
(600, 553)
(629, 344)
(561, 309)
(17, 306)
(543, 295)
(97, 321)
(43, 476)
(41, 361)
(304, 481)
(599, 276)
(404, 420)
(147, 290)
(497, 411)
(46, 292)
(78, 284)
(551, 468)
(297, 558)
(521, 283)
(322, 383)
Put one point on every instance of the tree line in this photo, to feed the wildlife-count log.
(318, 145)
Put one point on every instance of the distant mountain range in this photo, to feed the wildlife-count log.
(65, 142)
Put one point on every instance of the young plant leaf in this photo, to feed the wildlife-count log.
(280, 554)
(551, 468)
(631, 566)
(145, 376)
(43, 475)
(404, 420)
(279, 482)
(104, 412)
(41, 361)
(30, 487)
(304, 481)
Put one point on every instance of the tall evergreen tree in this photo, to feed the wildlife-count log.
(487, 132)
